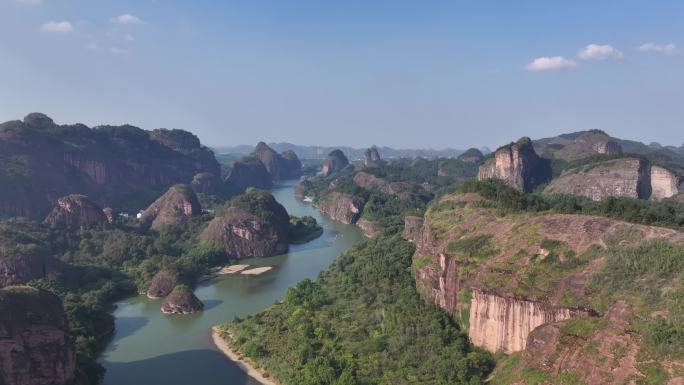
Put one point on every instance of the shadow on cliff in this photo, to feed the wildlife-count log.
(197, 367)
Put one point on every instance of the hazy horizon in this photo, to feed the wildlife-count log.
(403, 74)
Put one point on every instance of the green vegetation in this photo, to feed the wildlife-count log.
(361, 322)
(304, 229)
(667, 213)
(477, 247)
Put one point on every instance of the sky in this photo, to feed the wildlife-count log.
(402, 73)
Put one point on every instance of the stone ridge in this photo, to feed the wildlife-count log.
(335, 162)
(280, 167)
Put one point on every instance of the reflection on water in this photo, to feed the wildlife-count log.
(152, 348)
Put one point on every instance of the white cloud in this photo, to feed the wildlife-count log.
(126, 19)
(667, 49)
(600, 52)
(57, 26)
(119, 51)
(551, 63)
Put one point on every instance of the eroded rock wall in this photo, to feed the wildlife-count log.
(516, 164)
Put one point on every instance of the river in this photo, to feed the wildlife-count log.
(152, 348)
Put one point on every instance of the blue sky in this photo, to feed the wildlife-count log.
(398, 73)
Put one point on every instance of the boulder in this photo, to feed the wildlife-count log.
(181, 301)
(75, 211)
(335, 162)
(174, 208)
(36, 347)
(252, 225)
(517, 165)
(342, 207)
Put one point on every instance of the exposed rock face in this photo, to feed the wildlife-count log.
(472, 155)
(483, 286)
(23, 262)
(335, 162)
(43, 161)
(342, 207)
(75, 211)
(280, 167)
(503, 324)
(249, 172)
(174, 208)
(181, 301)
(517, 165)
(402, 190)
(35, 345)
(369, 229)
(255, 225)
(578, 145)
(371, 157)
(162, 283)
(664, 183)
(412, 227)
(625, 177)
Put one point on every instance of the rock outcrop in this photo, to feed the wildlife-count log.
(174, 208)
(209, 184)
(517, 165)
(43, 161)
(492, 272)
(23, 259)
(249, 172)
(578, 145)
(35, 345)
(412, 227)
(335, 162)
(76, 211)
(253, 225)
(342, 207)
(280, 167)
(368, 228)
(472, 155)
(371, 157)
(162, 284)
(181, 301)
(623, 177)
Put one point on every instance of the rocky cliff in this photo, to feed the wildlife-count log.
(23, 258)
(76, 211)
(122, 167)
(578, 145)
(623, 177)
(335, 162)
(253, 225)
(174, 208)
(505, 276)
(342, 207)
(35, 345)
(249, 172)
(280, 167)
(371, 157)
(368, 228)
(517, 165)
(181, 301)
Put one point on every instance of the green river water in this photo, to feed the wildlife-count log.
(152, 348)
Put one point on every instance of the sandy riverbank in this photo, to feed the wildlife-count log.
(243, 363)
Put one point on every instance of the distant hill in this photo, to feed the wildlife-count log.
(123, 167)
(321, 152)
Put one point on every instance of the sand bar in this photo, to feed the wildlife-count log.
(243, 363)
(256, 271)
(232, 269)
